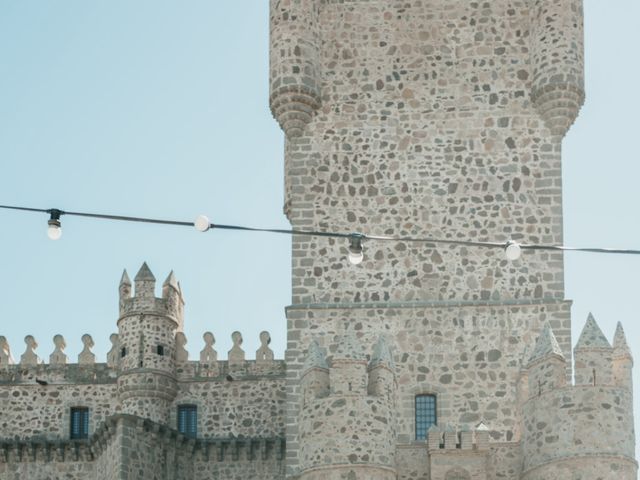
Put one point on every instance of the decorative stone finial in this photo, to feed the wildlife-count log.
(5, 352)
(113, 355)
(382, 355)
(182, 355)
(208, 355)
(29, 356)
(58, 357)
(236, 354)
(86, 356)
(592, 336)
(264, 354)
(546, 345)
(316, 357)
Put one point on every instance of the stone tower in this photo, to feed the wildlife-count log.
(147, 383)
(441, 119)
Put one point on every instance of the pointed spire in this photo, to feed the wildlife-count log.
(315, 357)
(546, 345)
(144, 274)
(349, 348)
(620, 345)
(171, 281)
(125, 280)
(592, 336)
(382, 354)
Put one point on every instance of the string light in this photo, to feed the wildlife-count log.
(54, 229)
(512, 250)
(356, 253)
(202, 223)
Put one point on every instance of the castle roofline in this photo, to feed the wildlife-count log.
(591, 336)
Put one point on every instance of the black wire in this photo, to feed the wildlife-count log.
(316, 233)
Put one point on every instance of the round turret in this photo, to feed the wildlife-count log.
(146, 338)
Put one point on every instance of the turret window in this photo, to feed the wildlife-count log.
(425, 415)
(188, 420)
(160, 350)
(79, 427)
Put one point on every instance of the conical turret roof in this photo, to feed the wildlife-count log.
(125, 280)
(315, 357)
(144, 274)
(620, 345)
(171, 281)
(592, 336)
(546, 345)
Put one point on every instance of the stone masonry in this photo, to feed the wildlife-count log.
(424, 118)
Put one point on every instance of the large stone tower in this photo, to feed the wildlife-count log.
(442, 119)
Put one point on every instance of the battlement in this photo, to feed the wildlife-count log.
(86, 370)
(446, 439)
(592, 417)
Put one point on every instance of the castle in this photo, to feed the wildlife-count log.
(421, 118)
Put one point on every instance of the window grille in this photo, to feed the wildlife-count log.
(79, 427)
(425, 415)
(188, 420)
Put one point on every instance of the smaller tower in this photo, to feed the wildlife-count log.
(547, 365)
(593, 356)
(622, 360)
(382, 371)
(146, 338)
(315, 374)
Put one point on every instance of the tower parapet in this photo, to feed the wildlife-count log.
(587, 426)
(349, 430)
(557, 58)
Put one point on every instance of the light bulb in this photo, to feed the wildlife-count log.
(356, 254)
(355, 258)
(54, 231)
(202, 223)
(512, 250)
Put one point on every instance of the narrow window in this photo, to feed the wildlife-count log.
(425, 415)
(160, 350)
(594, 377)
(79, 423)
(123, 352)
(188, 420)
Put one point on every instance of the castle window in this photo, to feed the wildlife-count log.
(160, 350)
(425, 415)
(188, 420)
(79, 427)
(123, 352)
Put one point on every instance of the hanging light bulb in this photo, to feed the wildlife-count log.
(356, 254)
(512, 250)
(54, 230)
(202, 223)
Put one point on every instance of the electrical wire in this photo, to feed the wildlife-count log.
(317, 233)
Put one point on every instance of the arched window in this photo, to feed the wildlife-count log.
(425, 415)
(457, 474)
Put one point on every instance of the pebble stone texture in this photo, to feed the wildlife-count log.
(442, 119)
(416, 117)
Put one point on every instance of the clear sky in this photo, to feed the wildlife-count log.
(160, 109)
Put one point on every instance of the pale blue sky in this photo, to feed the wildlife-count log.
(159, 108)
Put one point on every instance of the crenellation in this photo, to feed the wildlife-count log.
(58, 357)
(29, 357)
